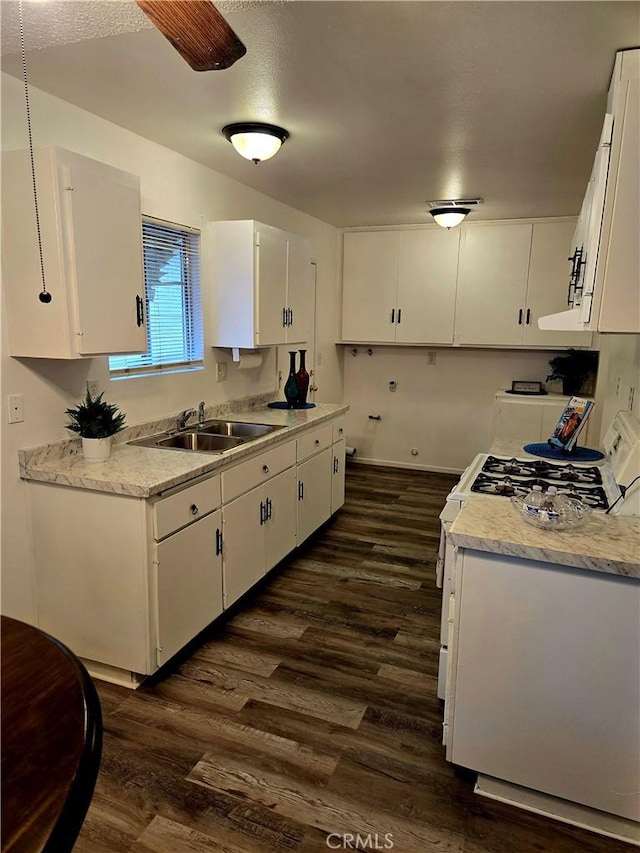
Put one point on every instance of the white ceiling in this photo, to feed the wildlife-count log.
(389, 104)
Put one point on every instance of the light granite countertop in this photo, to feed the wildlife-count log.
(145, 471)
(604, 543)
(511, 448)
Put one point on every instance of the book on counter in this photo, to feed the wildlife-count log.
(571, 423)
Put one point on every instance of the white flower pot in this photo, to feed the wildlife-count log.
(96, 449)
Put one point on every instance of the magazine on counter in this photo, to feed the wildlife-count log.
(571, 423)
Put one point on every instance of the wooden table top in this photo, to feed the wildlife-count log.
(51, 741)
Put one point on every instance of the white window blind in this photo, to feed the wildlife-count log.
(172, 302)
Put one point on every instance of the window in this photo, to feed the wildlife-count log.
(172, 297)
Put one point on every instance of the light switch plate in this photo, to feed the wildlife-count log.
(16, 408)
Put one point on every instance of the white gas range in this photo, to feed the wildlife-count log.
(602, 485)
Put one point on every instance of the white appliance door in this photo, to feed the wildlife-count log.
(547, 684)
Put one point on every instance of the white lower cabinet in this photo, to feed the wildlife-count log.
(314, 493)
(337, 475)
(127, 582)
(259, 529)
(187, 584)
(530, 419)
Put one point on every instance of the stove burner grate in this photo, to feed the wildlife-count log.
(558, 472)
(488, 484)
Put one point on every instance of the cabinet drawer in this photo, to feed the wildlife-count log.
(177, 510)
(254, 471)
(339, 430)
(314, 442)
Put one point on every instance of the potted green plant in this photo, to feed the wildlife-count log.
(574, 369)
(96, 422)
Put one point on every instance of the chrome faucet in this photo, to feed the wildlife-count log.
(201, 414)
(183, 417)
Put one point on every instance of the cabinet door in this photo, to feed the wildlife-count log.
(314, 493)
(520, 421)
(427, 276)
(188, 584)
(369, 280)
(300, 291)
(280, 498)
(104, 230)
(243, 544)
(547, 285)
(337, 475)
(492, 284)
(271, 266)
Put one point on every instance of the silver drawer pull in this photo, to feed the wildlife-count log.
(194, 509)
(265, 468)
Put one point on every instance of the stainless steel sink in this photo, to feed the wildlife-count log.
(211, 437)
(202, 441)
(240, 429)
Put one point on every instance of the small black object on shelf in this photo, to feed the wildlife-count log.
(525, 387)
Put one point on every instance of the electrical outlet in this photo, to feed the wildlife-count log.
(221, 368)
(16, 409)
(93, 387)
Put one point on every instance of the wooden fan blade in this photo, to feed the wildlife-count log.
(197, 31)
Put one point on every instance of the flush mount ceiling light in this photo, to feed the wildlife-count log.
(448, 214)
(255, 141)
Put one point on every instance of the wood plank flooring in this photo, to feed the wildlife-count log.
(312, 711)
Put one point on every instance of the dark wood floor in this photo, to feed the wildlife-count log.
(312, 711)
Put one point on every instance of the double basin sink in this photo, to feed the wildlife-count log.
(210, 437)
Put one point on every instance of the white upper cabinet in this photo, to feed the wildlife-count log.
(91, 237)
(261, 285)
(547, 285)
(399, 286)
(510, 274)
(370, 285)
(605, 295)
(427, 275)
(492, 284)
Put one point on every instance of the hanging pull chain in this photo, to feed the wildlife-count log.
(44, 296)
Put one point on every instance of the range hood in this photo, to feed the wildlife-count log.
(564, 321)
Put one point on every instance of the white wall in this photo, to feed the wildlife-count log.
(444, 410)
(176, 189)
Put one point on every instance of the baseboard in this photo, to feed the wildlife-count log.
(602, 823)
(412, 466)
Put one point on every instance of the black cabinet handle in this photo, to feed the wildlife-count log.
(265, 469)
(139, 311)
(262, 513)
(528, 320)
(269, 508)
(300, 490)
(393, 315)
(520, 317)
(290, 316)
(218, 542)
(399, 315)
(194, 509)
(284, 316)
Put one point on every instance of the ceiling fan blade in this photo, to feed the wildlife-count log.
(197, 31)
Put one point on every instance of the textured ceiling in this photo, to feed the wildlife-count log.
(388, 103)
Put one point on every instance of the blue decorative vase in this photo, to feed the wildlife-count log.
(291, 390)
